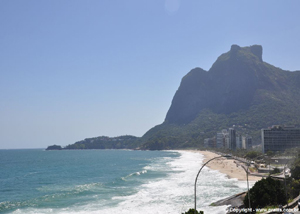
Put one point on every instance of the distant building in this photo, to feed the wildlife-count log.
(232, 139)
(239, 141)
(280, 138)
(221, 139)
(206, 142)
(247, 142)
(227, 141)
(226, 138)
(210, 142)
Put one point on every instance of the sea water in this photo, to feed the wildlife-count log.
(109, 181)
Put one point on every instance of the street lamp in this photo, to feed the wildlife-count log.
(285, 165)
(225, 156)
(247, 172)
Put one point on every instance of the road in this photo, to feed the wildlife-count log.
(295, 212)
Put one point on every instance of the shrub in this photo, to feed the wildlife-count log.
(275, 171)
(266, 192)
(192, 211)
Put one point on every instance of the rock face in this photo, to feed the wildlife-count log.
(237, 80)
(240, 90)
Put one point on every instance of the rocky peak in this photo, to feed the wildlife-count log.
(257, 50)
(234, 48)
(229, 86)
(254, 50)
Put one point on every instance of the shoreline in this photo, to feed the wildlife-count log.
(226, 166)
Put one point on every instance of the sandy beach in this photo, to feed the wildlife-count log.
(226, 166)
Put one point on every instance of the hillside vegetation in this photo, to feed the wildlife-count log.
(102, 142)
(239, 90)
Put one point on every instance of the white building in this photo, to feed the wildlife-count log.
(247, 142)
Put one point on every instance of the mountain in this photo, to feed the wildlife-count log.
(239, 90)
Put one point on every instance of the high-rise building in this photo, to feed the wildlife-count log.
(229, 139)
(247, 142)
(232, 139)
(220, 140)
(280, 138)
(239, 141)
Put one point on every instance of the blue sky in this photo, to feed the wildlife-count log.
(70, 70)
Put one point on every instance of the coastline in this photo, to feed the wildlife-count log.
(226, 166)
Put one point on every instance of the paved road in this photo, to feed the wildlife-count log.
(298, 212)
(295, 212)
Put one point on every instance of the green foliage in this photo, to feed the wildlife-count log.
(192, 211)
(253, 154)
(192, 135)
(266, 192)
(206, 125)
(294, 181)
(293, 188)
(295, 169)
(103, 142)
(54, 147)
(292, 152)
(275, 171)
(270, 153)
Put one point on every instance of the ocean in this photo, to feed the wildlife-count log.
(109, 181)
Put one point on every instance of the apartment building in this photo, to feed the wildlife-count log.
(280, 138)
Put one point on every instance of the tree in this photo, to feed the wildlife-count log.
(294, 183)
(192, 211)
(293, 187)
(275, 171)
(270, 153)
(54, 147)
(266, 192)
(253, 154)
(295, 169)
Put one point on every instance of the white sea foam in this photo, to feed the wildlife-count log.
(175, 193)
(171, 194)
(134, 174)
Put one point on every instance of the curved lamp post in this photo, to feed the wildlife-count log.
(247, 172)
(225, 156)
(285, 165)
